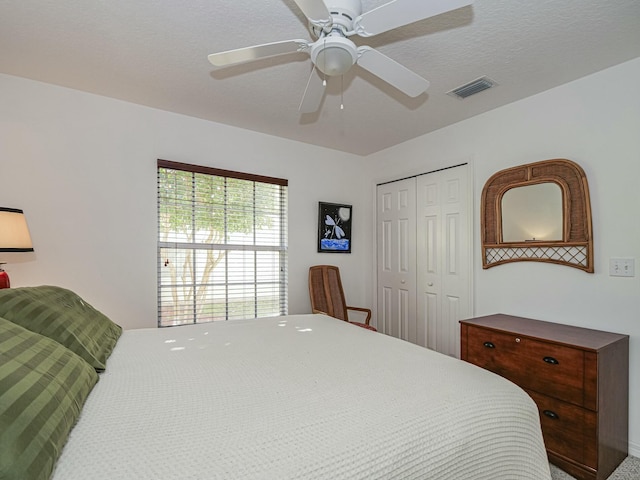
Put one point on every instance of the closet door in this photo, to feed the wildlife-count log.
(443, 258)
(396, 258)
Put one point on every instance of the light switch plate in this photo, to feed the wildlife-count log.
(622, 267)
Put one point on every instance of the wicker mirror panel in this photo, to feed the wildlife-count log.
(576, 247)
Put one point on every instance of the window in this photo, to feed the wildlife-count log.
(222, 245)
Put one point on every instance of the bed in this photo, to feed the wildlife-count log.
(294, 397)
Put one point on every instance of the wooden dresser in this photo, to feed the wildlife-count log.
(578, 377)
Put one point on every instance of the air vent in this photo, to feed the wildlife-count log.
(471, 88)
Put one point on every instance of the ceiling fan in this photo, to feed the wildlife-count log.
(332, 22)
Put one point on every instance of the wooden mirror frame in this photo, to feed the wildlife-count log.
(576, 247)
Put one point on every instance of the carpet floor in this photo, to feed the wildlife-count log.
(629, 469)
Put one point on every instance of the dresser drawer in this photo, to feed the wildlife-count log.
(556, 370)
(568, 430)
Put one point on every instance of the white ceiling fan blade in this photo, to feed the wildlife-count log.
(392, 72)
(402, 12)
(240, 55)
(316, 11)
(313, 93)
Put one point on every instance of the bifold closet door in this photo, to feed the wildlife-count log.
(443, 258)
(424, 258)
(396, 258)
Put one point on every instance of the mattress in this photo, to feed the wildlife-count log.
(298, 397)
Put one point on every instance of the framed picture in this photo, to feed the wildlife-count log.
(334, 228)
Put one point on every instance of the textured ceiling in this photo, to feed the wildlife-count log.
(154, 53)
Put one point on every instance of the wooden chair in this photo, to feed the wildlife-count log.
(327, 296)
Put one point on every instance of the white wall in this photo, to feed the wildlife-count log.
(595, 122)
(83, 168)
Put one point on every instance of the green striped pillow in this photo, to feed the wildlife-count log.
(63, 316)
(43, 387)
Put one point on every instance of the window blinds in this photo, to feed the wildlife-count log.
(222, 245)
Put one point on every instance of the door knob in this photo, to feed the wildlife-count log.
(430, 284)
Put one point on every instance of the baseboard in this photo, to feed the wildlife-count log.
(634, 449)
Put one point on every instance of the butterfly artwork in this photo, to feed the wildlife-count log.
(334, 228)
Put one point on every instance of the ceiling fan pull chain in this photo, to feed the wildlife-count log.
(324, 68)
(341, 92)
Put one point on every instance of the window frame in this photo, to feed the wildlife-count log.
(281, 248)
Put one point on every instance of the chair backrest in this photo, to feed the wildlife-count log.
(325, 291)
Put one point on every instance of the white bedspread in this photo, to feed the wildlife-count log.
(298, 397)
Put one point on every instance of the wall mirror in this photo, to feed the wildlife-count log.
(537, 212)
(532, 213)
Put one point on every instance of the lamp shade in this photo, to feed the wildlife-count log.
(14, 233)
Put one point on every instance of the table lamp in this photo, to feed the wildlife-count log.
(14, 237)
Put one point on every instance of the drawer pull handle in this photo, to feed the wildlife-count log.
(551, 360)
(489, 345)
(551, 414)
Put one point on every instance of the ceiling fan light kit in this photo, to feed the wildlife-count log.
(333, 53)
